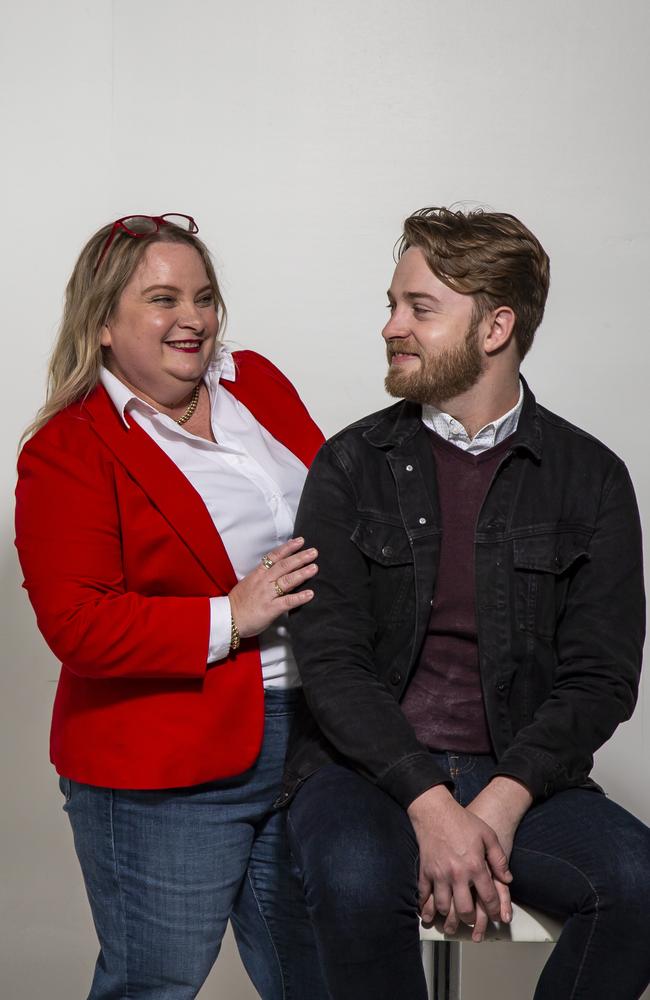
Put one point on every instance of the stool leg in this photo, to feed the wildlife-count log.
(446, 971)
(427, 950)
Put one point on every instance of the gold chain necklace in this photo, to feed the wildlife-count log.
(192, 405)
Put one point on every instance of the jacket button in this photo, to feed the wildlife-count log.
(395, 677)
(422, 520)
(387, 550)
(501, 686)
(409, 468)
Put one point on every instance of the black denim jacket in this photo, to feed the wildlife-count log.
(559, 602)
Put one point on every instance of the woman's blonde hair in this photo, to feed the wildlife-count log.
(90, 299)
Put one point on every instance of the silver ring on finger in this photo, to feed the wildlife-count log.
(267, 562)
(278, 589)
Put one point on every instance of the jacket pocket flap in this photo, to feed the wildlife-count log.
(553, 553)
(386, 544)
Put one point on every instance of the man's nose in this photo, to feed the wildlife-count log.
(396, 326)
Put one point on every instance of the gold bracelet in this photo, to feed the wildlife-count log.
(235, 638)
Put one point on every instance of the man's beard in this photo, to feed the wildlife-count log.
(451, 372)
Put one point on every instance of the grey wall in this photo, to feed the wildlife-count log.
(299, 134)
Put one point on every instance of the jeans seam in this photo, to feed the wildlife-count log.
(588, 943)
(120, 894)
(416, 867)
(268, 930)
(543, 854)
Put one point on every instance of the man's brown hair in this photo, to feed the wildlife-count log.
(489, 255)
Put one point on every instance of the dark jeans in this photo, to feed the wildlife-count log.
(577, 855)
(165, 870)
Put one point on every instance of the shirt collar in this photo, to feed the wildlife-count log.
(124, 399)
(487, 437)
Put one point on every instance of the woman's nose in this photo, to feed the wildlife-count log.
(190, 316)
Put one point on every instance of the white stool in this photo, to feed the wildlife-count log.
(441, 952)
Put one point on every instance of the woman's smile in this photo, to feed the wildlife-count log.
(187, 346)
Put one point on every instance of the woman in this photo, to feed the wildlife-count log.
(155, 505)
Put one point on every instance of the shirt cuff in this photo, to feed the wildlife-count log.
(219, 644)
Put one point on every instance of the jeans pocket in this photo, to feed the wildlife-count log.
(66, 789)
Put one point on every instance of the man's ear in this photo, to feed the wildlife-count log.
(499, 335)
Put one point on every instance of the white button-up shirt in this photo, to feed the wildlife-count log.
(492, 434)
(250, 484)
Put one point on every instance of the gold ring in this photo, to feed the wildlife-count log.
(278, 589)
(267, 562)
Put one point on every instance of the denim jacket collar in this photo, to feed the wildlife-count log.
(400, 423)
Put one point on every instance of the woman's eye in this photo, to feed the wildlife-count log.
(206, 300)
(162, 300)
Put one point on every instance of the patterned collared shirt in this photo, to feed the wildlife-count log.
(493, 433)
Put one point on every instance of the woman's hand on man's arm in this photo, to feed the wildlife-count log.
(265, 593)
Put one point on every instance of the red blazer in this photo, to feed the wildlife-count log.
(120, 557)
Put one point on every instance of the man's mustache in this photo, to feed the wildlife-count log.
(400, 347)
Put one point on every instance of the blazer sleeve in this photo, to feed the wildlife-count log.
(69, 545)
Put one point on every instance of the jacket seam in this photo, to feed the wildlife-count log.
(347, 472)
(423, 755)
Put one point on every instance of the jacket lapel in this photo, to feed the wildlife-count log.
(275, 404)
(165, 485)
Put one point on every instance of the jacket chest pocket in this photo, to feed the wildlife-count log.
(544, 566)
(389, 558)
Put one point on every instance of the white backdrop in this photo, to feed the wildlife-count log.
(300, 133)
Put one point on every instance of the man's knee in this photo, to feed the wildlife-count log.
(356, 850)
(583, 853)
(624, 883)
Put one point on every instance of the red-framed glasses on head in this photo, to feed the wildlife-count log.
(146, 225)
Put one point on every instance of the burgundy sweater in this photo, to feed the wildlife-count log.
(444, 701)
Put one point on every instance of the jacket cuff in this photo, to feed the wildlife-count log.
(412, 776)
(539, 772)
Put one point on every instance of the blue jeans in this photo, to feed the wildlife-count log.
(577, 855)
(165, 870)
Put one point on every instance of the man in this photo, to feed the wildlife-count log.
(475, 636)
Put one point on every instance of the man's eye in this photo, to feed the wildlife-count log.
(420, 310)
(390, 306)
